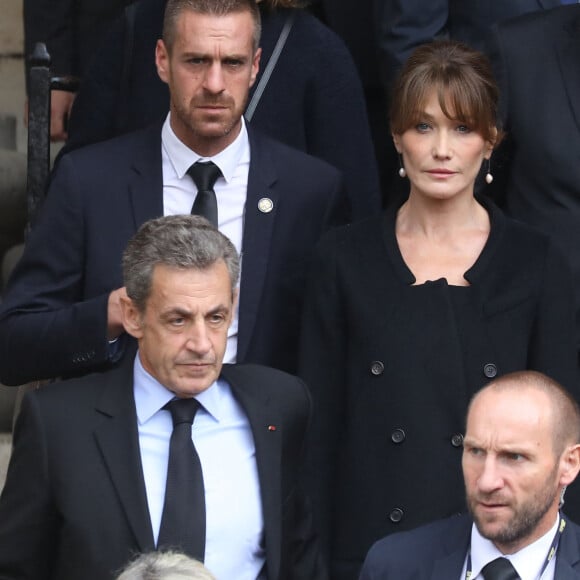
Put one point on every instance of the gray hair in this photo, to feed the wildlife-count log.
(165, 566)
(178, 241)
(174, 8)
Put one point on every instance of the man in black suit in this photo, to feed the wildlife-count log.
(521, 451)
(89, 481)
(536, 60)
(62, 305)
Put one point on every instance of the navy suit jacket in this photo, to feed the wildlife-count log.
(405, 24)
(75, 506)
(437, 551)
(54, 317)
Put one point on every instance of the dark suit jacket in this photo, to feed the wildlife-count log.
(392, 367)
(74, 505)
(350, 20)
(405, 24)
(536, 60)
(437, 552)
(313, 100)
(54, 315)
(71, 30)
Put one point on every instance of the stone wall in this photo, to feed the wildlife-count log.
(12, 89)
(12, 135)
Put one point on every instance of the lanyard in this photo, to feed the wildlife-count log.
(551, 551)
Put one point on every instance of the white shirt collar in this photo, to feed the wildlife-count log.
(182, 157)
(151, 395)
(528, 561)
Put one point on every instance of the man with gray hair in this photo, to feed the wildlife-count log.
(172, 449)
(165, 566)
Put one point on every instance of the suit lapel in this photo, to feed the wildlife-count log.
(455, 550)
(569, 58)
(266, 429)
(146, 178)
(256, 240)
(450, 566)
(568, 557)
(118, 442)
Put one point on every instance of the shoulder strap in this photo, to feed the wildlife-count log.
(251, 108)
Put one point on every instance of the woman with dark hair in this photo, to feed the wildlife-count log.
(313, 100)
(408, 314)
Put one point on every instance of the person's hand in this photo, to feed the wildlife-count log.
(114, 313)
(60, 106)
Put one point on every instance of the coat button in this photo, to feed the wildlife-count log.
(377, 368)
(457, 440)
(490, 370)
(398, 436)
(396, 515)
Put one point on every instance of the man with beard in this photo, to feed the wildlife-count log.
(61, 313)
(521, 451)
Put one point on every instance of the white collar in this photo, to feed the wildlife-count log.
(182, 157)
(528, 561)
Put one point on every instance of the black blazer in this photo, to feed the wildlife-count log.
(54, 315)
(535, 59)
(438, 551)
(393, 366)
(74, 505)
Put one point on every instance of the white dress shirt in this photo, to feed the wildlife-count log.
(528, 561)
(179, 193)
(222, 436)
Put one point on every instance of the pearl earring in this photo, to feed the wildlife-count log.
(488, 175)
(402, 172)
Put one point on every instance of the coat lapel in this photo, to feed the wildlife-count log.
(267, 431)
(569, 60)
(455, 550)
(118, 442)
(568, 556)
(146, 178)
(262, 206)
(449, 566)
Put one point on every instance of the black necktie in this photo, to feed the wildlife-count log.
(204, 175)
(500, 569)
(183, 520)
